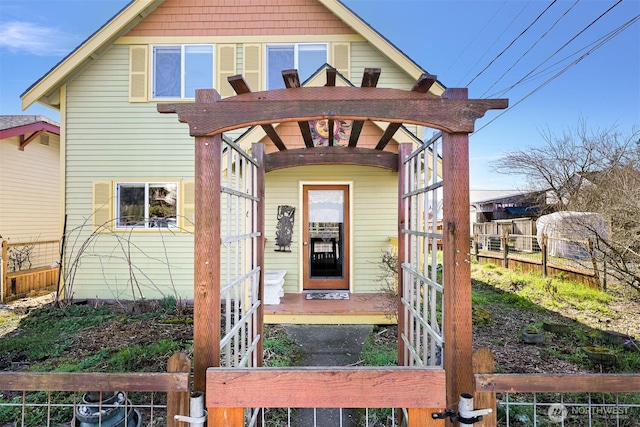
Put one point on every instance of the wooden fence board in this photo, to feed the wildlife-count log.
(557, 383)
(330, 387)
(62, 381)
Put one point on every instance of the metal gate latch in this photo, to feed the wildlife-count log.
(467, 415)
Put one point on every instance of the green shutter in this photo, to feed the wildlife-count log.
(102, 205)
(251, 66)
(138, 63)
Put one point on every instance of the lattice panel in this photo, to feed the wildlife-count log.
(240, 273)
(421, 268)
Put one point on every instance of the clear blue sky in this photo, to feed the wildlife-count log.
(488, 46)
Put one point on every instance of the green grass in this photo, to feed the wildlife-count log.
(279, 349)
(47, 332)
(379, 352)
(528, 291)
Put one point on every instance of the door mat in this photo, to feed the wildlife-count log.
(328, 295)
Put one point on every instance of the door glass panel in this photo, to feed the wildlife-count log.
(326, 228)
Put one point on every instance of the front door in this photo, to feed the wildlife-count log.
(326, 237)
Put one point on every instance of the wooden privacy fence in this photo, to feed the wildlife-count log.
(28, 267)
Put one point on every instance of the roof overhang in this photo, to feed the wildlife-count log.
(30, 128)
(46, 90)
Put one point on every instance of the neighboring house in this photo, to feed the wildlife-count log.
(29, 179)
(30, 212)
(129, 171)
(510, 206)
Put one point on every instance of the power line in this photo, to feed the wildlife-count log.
(512, 42)
(562, 47)
(473, 39)
(560, 61)
(494, 42)
(531, 48)
(559, 73)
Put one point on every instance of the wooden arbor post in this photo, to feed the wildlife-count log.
(458, 350)
(206, 290)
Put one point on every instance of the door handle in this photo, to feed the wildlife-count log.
(305, 243)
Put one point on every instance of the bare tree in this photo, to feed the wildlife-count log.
(591, 171)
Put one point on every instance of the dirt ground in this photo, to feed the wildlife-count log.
(500, 334)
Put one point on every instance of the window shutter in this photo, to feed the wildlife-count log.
(102, 202)
(342, 58)
(226, 68)
(187, 216)
(252, 65)
(138, 63)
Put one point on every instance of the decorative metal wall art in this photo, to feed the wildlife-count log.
(284, 228)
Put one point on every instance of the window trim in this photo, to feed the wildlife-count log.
(182, 46)
(296, 51)
(147, 223)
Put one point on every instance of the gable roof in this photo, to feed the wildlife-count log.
(46, 89)
(11, 126)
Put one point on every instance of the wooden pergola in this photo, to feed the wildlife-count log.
(452, 113)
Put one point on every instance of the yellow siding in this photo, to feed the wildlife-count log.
(110, 139)
(374, 213)
(30, 191)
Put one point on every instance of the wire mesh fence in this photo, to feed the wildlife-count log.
(541, 251)
(338, 417)
(568, 409)
(49, 408)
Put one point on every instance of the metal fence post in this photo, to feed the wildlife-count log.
(505, 248)
(543, 248)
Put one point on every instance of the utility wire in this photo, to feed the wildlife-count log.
(512, 42)
(560, 61)
(531, 48)
(474, 39)
(559, 73)
(562, 47)
(494, 43)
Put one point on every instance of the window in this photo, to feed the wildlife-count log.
(179, 70)
(306, 58)
(146, 205)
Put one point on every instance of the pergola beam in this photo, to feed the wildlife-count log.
(332, 155)
(333, 103)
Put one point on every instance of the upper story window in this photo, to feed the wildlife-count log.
(305, 57)
(181, 69)
(146, 205)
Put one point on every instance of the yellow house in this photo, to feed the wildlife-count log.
(129, 171)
